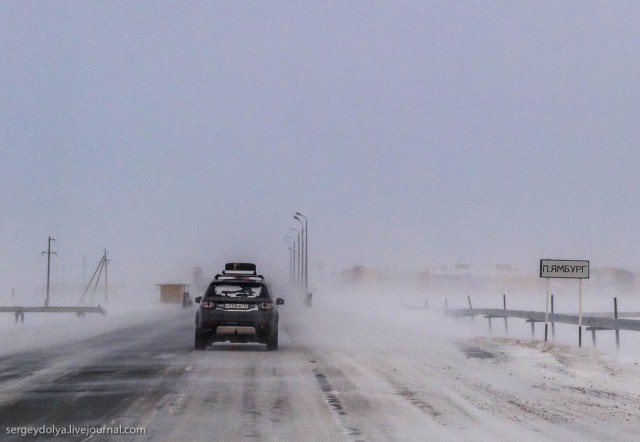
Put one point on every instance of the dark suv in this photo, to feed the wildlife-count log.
(237, 307)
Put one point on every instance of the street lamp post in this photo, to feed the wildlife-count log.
(302, 250)
(290, 266)
(292, 254)
(299, 270)
(306, 252)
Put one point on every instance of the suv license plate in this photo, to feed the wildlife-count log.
(236, 306)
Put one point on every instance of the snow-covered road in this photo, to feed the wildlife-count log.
(378, 373)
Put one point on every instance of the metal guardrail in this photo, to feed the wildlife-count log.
(599, 322)
(19, 311)
(61, 309)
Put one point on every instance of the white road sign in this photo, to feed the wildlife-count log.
(562, 268)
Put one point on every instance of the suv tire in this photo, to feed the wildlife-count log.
(200, 343)
(272, 343)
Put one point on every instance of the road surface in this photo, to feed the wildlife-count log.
(346, 376)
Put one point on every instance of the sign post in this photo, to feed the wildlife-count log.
(546, 313)
(562, 268)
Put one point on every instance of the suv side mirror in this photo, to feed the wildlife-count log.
(198, 299)
(279, 301)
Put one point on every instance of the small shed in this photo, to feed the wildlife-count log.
(174, 293)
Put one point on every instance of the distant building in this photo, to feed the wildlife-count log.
(173, 293)
(615, 276)
(459, 278)
(360, 274)
(199, 281)
(504, 268)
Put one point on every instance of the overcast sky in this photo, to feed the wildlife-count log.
(411, 133)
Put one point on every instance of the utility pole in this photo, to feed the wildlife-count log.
(84, 268)
(102, 266)
(106, 287)
(48, 252)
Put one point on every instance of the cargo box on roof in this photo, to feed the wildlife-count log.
(242, 268)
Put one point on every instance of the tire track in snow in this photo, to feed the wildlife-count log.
(330, 396)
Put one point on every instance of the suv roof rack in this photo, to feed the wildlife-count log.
(238, 272)
(237, 277)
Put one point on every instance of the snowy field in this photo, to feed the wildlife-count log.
(478, 385)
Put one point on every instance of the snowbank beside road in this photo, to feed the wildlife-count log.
(41, 330)
(467, 384)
